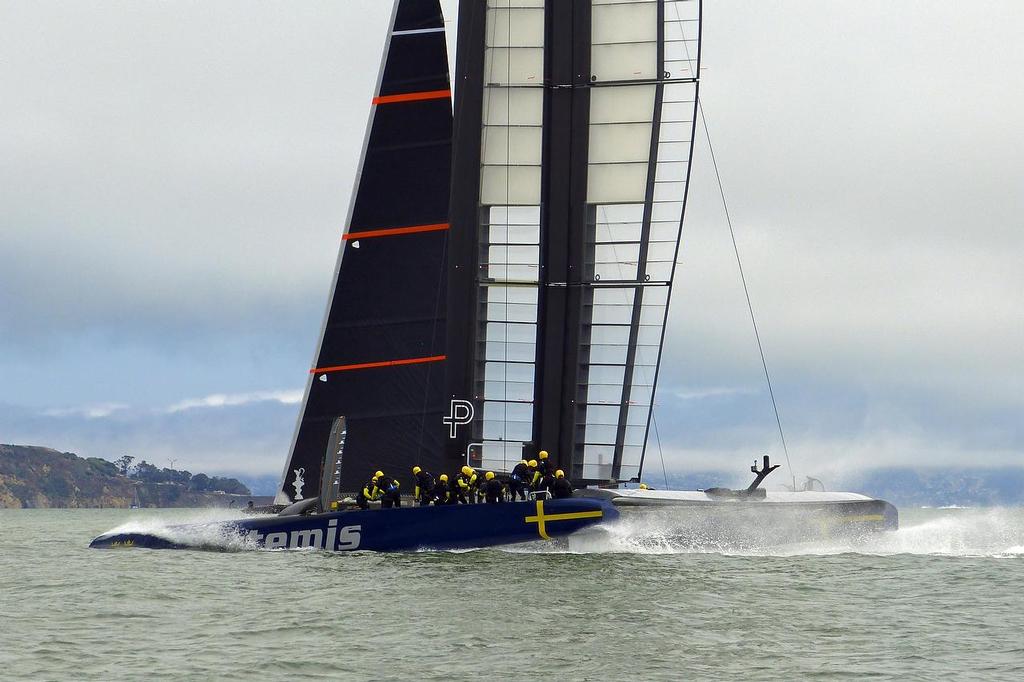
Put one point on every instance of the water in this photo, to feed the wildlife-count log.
(939, 599)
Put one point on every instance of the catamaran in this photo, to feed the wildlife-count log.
(503, 281)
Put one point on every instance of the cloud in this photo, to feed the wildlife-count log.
(88, 411)
(173, 184)
(710, 392)
(290, 397)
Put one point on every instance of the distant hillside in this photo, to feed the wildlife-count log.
(39, 477)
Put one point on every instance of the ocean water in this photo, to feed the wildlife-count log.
(942, 598)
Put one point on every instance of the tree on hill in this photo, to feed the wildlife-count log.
(124, 463)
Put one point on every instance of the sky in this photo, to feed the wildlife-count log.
(175, 176)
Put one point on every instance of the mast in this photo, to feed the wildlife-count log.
(375, 389)
(572, 157)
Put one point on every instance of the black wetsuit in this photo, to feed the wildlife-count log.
(424, 487)
(467, 488)
(458, 496)
(520, 481)
(544, 467)
(492, 491)
(561, 488)
(390, 497)
(369, 492)
(441, 494)
(547, 483)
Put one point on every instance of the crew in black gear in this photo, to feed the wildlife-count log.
(424, 486)
(370, 492)
(456, 490)
(535, 475)
(543, 464)
(390, 497)
(520, 480)
(468, 485)
(561, 488)
(547, 483)
(442, 493)
(493, 490)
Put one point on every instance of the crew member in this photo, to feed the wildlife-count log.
(492, 489)
(424, 485)
(467, 485)
(561, 488)
(547, 482)
(543, 465)
(442, 494)
(389, 494)
(535, 475)
(520, 480)
(370, 492)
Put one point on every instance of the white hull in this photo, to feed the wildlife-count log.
(701, 519)
(643, 498)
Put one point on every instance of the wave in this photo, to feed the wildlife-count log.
(994, 532)
(203, 529)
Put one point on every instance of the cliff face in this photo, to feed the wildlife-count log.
(37, 477)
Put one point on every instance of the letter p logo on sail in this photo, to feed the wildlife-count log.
(461, 414)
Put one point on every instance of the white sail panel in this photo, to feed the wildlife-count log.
(514, 106)
(624, 40)
(643, 95)
(508, 146)
(625, 104)
(621, 142)
(682, 35)
(617, 182)
(510, 185)
(509, 245)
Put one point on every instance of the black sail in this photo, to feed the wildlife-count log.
(572, 149)
(375, 395)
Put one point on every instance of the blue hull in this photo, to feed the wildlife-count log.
(383, 530)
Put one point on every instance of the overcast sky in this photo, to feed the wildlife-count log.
(174, 178)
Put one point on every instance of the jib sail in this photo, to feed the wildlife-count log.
(574, 122)
(376, 385)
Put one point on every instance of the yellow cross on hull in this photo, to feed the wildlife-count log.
(541, 519)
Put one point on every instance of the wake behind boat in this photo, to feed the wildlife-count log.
(725, 515)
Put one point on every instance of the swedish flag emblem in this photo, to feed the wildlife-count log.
(541, 519)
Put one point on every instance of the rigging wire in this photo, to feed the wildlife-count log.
(661, 453)
(746, 291)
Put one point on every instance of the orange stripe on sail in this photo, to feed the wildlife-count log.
(413, 96)
(393, 231)
(382, 363)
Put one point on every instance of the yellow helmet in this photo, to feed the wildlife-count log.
(378, 474)
(444, 477)
(489, 475)
(416, 470)
(543, 454)
(467, 470)
(533, 463)
(559, 474)
(643, 486)
(522, 461)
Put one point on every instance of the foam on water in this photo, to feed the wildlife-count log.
(198, 527)
(994, 532)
